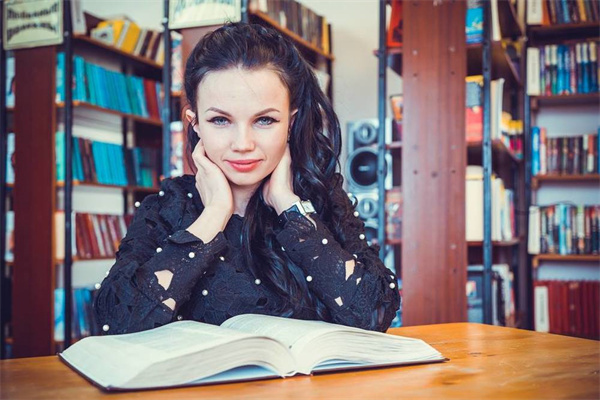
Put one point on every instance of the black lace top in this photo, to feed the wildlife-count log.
(210, 282)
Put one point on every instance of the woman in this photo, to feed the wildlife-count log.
(263, 226)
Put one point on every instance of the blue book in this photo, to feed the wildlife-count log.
(562, 234)
(81, 79)
(566, 19)
(110, 95)
(535, 150)
(104, 88)
(124, 95)
(77, 166)
(60, 77)
(100, 177)
(59, 151)
(474, 21)
(141, 96)
(121, 163)
(136, 166)
(113, 163)
(585, 48)
(116, 97)
(106, 163)
(99, 88)
(560, 84)
(59, 314)
(91, 88)
(131, 96)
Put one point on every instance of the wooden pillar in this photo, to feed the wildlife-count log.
(434, 252)
(34, 202)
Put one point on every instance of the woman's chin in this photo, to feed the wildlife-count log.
(245, 181)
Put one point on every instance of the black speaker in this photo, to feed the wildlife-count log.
(361, 175)
(361, 171)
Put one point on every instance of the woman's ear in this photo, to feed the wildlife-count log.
(191, 117)
(292, 118)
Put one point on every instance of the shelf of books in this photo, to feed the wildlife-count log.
(507, 133)
(117, 97)
(564, 215)
(307, 29)
(507, 179)
(310, 32)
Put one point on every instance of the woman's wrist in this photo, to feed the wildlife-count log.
(285, 202)
(209, 223)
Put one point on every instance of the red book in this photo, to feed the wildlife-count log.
(394, 34)
(83, 232)
(91, 234)
(108, 246)
(150, 95)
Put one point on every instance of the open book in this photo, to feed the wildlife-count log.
(244, 347)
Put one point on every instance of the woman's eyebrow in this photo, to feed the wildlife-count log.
(217, 110)
(266, 110)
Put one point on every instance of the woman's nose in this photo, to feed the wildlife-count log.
(243, 140)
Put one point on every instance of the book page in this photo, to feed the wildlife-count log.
(291, 332)
(116, 359)
(322, 345)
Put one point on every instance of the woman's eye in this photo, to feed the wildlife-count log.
(219, 121)
(265, 121)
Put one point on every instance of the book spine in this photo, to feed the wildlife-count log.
(543, 152)
(586, 68)
(535, 150)
(533, 71)
(593, 67)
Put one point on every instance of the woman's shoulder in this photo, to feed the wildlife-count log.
(178, 185)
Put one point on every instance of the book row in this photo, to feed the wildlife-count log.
(128, 36)
(83, 321)
(567, 307)
(503, 207)
(297, 18)
(99, 162)
(556, 12)
(84, 92)
(114, 90)
(110, 164)
(564, 229)
(573, 155)
(94, 236)
(559, 69)
(503, 127)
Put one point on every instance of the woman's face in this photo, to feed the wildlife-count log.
(243, 120)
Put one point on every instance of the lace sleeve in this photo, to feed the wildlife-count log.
(350, 280)
(130, 299)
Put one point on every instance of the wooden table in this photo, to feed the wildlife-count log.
(486, 362)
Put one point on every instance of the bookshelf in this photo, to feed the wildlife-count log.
(492, 56)
(36, 191)
(565, 109)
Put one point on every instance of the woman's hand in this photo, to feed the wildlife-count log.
(212, 184)
(215, 192)
(278, 191)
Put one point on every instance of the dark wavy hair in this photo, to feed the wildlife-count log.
(315, 141)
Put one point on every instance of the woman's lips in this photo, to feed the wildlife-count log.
(244, 165)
